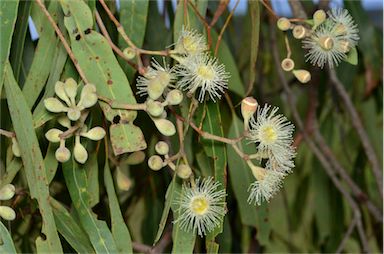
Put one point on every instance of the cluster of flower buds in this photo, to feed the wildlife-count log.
(328, 37)
(6, 193)
(156, 162)
(272, 135)
(74, 111)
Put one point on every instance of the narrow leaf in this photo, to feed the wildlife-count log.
(6, 243)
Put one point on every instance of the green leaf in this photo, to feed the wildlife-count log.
(255, 24)
(32, 159)
(119, 228)
(51, 162)
(43, 57)
(101, 68)
(12, 169)
(352, 56)
(127, 138)
(98, 231)
(6, 243)
(70, 229)
(8, 15)
(93, 179)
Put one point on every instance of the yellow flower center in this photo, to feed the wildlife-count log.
(205, 72)
(189, 44)
(199, 205)
(340, 29)
(269, 134)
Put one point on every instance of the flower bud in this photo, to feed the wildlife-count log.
(155, 162)
(287, 64)
(88, 96)
(174, 97)
(299, 32)
(302, 75)
(53, 135)
(258, 172)
(134, 158)
(79, 152)
(184, 171)
(319, 17)
(155, 89)
(123, 182)
(60, 92)
(129, 53)
(248, 108)
(154, 108)
(283, 24)
(62, 154)
(64, 121)
(54, 105)
(162, 148)
(74, 113)
(15, 148)
(7, 192)
(7, 213)
(70, 88)
(345, 46)
(95, 133)
(165, 126)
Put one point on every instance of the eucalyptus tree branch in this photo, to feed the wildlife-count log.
(347, 235)
(8, 134)
(358, 125)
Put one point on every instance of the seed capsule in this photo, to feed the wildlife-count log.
(7, 192)
(283, 24)
(287, 64)
(53, 135)
(162, 148)
(299, 32)
(154, 108)
(302, 75)
(155, 162)
(184, 171)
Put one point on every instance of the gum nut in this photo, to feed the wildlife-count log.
(162, 148)
(80, 154)
(54, 105)
(73, 114)
(7, 213)
(155, 162)
(299, 32)
(135, 158)
(302, 75)
(60, 92)
(123, 182)
(64, 121)
(7, 192)
(62, 154)
(165, 127)
(88, 100)
(154, 108)
(71, 88)
(248, 107)
(155, 89)
(283, 24)
(95, 133)
(183, 171)
(174, 97)
(15, 148)
(287, 64)
(53, 135)
(129, 53)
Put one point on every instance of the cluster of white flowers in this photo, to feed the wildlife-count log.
(330, 41)
(272, 134)
(200, 207)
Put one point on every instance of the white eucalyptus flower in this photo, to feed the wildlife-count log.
(190, 42)
(201, 206)
(205, 73)
(344, 26)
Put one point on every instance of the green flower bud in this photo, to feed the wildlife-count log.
(74, 113)
(184, 171)
(123, 182)
(154, 108)
(283, 24)
(129, 53)
(62, 154)
(70, 88)
(319, 17)
(174, 97)
(165, 126)
(64, 121)
(248, 108)
(60, 92)
(54, 105)
(7, 192)
(95, 133)
(88, 96)
(162, 148)
(302, 75)
(287, 64)
(155, 89)
(15, 148)
(79, 152)
(155, 162)
(53, 135)
(7, 213)
(134, 158)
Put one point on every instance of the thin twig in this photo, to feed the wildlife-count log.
(347, 235)
(8, 134)
(63, 41)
